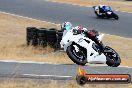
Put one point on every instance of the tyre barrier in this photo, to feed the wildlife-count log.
(51, 37)
(31, 36)
(43, 37)
(59, 38)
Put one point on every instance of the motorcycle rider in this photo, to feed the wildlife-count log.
(101, 9)
(92, 34)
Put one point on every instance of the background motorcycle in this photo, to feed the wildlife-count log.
(82, 50)
(108, 13)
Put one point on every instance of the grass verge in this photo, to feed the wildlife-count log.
(13, 43)
(56, 84)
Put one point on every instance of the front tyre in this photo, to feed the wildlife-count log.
(77, 57)
(115, 16)
(113, 59)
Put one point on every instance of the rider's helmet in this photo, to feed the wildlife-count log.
(66, 26)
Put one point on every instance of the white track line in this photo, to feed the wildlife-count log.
(27, 62)
(58, 76)
(26, 17)
(116, 35)
(123, 11)
(125, 66)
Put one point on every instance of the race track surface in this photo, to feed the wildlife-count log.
(54, 71)
(58, 13)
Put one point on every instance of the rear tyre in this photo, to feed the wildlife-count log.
(77, 57)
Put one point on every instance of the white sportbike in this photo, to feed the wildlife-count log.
(82, 50)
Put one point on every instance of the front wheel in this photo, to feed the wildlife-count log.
(115, 16)
(77, 56)
(113, 59)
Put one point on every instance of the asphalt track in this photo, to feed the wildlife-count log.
(58, 13)
(54, 71)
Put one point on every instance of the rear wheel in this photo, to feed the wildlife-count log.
(112, 57)
(77, 56)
